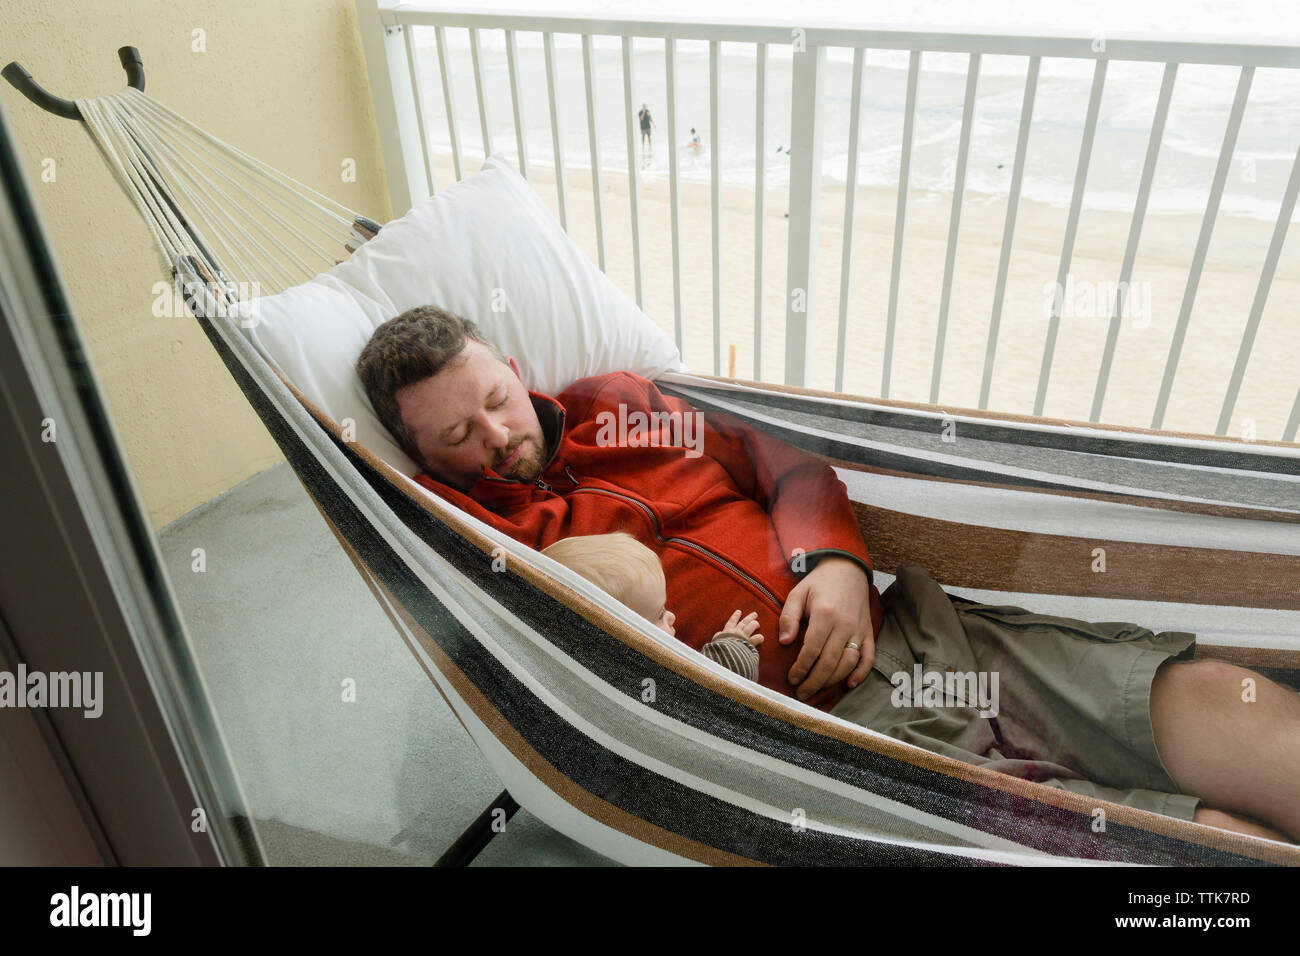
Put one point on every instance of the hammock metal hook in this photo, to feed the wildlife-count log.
(22, 81)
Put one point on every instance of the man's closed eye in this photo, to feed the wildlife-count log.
(468, 430)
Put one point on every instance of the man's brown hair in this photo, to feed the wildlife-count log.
(416, 345)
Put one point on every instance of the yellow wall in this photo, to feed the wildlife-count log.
(284, 81)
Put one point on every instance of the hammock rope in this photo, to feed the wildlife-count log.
(210, 213)
(225, 200)
(302, 201)
(173, 172)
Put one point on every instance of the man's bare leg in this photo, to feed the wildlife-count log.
(1238, 824)
(1238, 755)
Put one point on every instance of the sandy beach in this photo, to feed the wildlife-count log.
(1222, 305)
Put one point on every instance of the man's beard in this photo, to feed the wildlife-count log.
(528, 467)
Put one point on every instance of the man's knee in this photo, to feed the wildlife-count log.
(1200, 683)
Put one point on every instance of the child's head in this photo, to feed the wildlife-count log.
(623, 566)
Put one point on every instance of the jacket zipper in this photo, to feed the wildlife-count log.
(654, 521)
(538, 482)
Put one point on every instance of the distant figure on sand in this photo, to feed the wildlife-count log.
(694, 143)
(646, 124)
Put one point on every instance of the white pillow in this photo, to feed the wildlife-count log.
(488, 249)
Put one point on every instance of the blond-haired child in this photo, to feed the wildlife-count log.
(621, 565)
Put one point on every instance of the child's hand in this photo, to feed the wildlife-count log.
(745, 627)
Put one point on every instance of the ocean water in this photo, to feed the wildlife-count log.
(1265, 152)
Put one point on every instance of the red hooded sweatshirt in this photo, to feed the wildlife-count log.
(729, 510)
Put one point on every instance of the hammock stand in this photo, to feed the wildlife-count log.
(545, 674)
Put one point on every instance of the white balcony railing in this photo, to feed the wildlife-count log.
(393, 59)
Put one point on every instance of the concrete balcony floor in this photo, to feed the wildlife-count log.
(279, 620)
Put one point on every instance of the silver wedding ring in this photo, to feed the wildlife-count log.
(854, 645)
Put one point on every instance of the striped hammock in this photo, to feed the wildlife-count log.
(644, 750)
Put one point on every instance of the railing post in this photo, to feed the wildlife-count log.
(1293, 422)
(396, 115)
(674, 193)
(480, 90)
(417, 96)
(633, 177)
(516, 95)
(805, 200)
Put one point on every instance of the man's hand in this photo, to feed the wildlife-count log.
(836, 597)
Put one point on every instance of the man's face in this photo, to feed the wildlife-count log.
(473, 415)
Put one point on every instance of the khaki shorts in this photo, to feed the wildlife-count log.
(1073, 699)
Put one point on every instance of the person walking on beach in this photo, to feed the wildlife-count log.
(646, 124)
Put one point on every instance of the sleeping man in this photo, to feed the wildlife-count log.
(741, 519)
